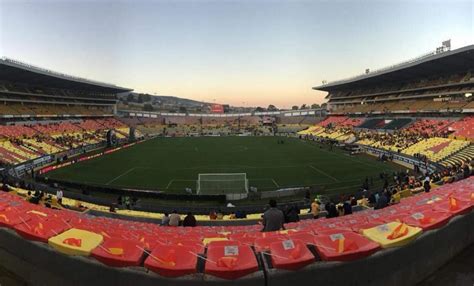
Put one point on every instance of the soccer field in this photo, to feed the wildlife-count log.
(173, 164)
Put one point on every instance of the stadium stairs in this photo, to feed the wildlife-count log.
(462, 156)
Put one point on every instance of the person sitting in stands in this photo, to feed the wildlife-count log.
(273, 218)
(220, 215)
(381, 202)
(331, 210)
(174, 219)
(340, 210)
(426, 184)
(292, 214)
(189, 220)
(59, 196)
(240, 214)
(315, 209)
(347, 208)
(212, 215)
(165, 220)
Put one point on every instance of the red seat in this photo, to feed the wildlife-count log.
(344, 246)
(197, 245)
(244, 238)
(465, 196)
(118, 253)
(306, 237)
(40, 229)
(223, 243)
(230, 261)
(290, 254)
(453, 206)
(263, 243)
(427, 219)
(172, 260)
(9, 217)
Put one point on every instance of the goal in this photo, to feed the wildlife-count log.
(222, 183)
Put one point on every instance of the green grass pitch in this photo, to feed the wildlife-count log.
(172, 164)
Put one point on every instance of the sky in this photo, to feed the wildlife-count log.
(240, 52)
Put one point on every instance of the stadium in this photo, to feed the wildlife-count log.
(87, 182)
(199, 143)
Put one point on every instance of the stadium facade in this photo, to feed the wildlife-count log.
(437, 82)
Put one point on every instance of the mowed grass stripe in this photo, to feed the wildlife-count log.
(269, 165)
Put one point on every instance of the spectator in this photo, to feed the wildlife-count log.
(381, 202)
(240, 214)
(59, 196)
(331, 210)
(174, 219)
(165, 221)
(189, 220)
(315, 209)
(293, 214)
(220, 215)
(212, 215)
(427, 185)
(273, 218)
(347, 208)
(340, 210)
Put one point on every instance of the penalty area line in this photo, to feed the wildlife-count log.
(169, 184)
(276, 184)
(324, 173)
(121, 175)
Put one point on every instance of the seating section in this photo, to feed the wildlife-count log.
(373, 124)
(332, 120)
(19, 143)
(463, 128)
(436, 149)
(230, 252)
(36, 109)
(429, 126)
(397, 124)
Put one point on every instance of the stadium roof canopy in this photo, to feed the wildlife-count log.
(16, 71)
(461, 59)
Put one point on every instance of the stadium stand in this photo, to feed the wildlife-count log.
(111, 242)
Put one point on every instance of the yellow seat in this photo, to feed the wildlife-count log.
(385, 234)
(208, 240)
(76, 242)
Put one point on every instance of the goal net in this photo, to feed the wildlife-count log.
(222, 183)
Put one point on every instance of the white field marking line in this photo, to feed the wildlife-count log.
(338, 154)
(169, 184)
(119, 176)
(324, 173)
(276, 184)
(178, 180)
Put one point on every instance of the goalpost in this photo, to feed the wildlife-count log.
(222, 183)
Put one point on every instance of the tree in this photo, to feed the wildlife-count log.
(324, 106)
(314, 106)
(303, 106)
(294, 107)
(272, 107)
(259, 109)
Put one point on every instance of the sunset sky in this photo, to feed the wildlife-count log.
(251, 53)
